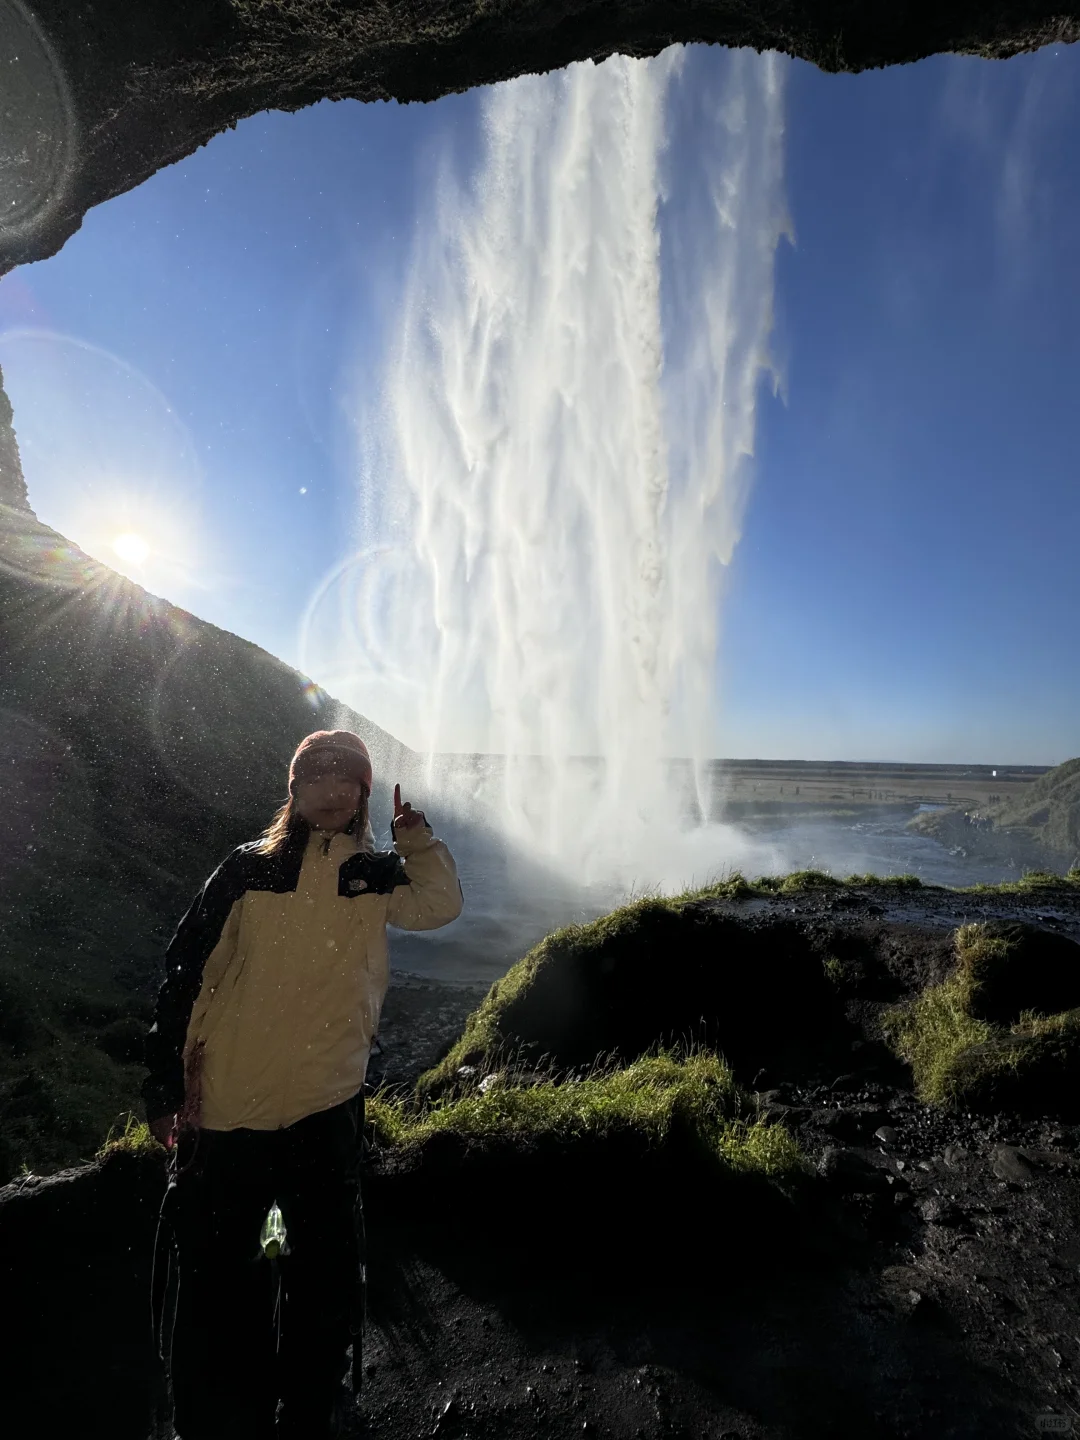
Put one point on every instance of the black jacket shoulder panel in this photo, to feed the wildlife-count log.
(279, 873)
(196, 935)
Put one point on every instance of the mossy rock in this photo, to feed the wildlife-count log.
(1034, 1068)
(1003, 1030)
(669, 1137)
(655, 973)
(1013, 969)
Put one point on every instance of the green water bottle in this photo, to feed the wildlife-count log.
(272, 1238)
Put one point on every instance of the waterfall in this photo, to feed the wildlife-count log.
(568, 418)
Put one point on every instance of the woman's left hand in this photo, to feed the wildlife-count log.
(405, 817)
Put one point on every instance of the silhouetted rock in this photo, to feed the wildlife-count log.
(122, 89)
(12, 484)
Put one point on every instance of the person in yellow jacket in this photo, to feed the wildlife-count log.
(274, 983)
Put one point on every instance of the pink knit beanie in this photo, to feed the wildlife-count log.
(345, 749)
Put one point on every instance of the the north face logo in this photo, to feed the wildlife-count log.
(357, 885)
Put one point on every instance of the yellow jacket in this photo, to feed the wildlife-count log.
(291, 991)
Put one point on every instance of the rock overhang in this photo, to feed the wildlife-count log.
(102, 95)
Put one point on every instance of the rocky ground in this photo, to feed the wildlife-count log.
(420, 1021)
(925, 1284)
(934, 1294)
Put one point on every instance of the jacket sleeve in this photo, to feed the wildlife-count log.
(201, 929)
(433, 895)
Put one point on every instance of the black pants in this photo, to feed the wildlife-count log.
(228, 1371)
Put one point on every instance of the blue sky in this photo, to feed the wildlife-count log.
(192, 366)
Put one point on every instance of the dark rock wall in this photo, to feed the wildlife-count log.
(76, 1257)
(135, 87)
(12, 484)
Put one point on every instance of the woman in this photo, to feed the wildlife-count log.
(274, 983)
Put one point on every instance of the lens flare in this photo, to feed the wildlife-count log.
(131, 548)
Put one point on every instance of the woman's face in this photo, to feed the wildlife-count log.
(328, 798)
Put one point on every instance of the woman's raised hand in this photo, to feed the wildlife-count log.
(405, 817)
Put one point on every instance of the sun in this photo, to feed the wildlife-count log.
(132, 548)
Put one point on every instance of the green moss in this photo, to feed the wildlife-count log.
(809, 880)
(834, 969)
(1038, 879)
(133, 1139)
(932, 1034)
(659, 1099)
(981, 1038)
(895, 882)
(1033, 1066)
(1030, 880)
(660, 971)
(482, 1040)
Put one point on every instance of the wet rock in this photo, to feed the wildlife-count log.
(849, 1170)
(853, 1124)
(901, 1287)
(448, 1419)
(1009, 1163)
(835, 1122)
(774, 1105)
(765, 1098)
(939, 1210)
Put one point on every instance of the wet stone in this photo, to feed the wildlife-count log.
(1009, 1163)
(938, 1210)
(851, 1171)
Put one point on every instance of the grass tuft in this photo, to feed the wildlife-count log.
(834, 969)
(932, 1034)
(133, 1139)
(973, 1039)
(895, 882)
(659, 1099)
(809, 880)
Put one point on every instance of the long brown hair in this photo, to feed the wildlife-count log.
(288, 824)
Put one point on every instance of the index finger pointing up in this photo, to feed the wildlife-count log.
(397, 802)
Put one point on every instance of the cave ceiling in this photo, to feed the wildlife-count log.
(99, 94)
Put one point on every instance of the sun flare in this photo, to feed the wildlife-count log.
(131, 548)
